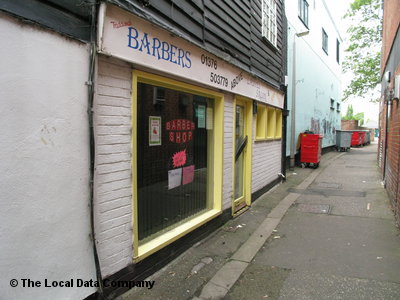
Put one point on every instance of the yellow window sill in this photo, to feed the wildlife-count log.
(264, 139)
(167, 238)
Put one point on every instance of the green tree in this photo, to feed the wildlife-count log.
(349, 113)
(351, 116)
(364, 53)
(360, 118)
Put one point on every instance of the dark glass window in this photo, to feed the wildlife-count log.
(324, 41)
(303, 11)
(174, 147)
(337, 51)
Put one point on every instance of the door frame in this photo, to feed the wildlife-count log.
(247, 159)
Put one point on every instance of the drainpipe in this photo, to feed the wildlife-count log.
(398, 168)
(293, 110)
(90, 84)
(285, 114)
(386, 142)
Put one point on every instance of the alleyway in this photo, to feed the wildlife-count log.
(337, 241)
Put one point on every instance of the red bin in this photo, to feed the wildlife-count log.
(355, 139)
(311, 148)
(362, 137)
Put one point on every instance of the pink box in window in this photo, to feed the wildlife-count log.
(187, 174)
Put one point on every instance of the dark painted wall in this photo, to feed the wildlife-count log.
(230, 29)
(68, 17)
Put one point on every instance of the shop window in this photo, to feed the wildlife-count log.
(271, 123)
(261, 123)
(269, 26)
(177, 165)
(173, 154)
(278, 127)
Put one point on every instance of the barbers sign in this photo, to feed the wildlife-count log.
(133, 39)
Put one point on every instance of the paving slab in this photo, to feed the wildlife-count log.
(249, 249)
(307, 285)
(259, 282)
(369, 206)
(228, 274)
(212, 291)
(347, 246)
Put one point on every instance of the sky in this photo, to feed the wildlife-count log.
(371, 110)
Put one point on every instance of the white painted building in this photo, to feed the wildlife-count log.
(314, 76)
(45, 230)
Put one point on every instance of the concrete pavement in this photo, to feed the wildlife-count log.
(324, 234)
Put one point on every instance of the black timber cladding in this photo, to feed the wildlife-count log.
(68, 17)
(230, 29)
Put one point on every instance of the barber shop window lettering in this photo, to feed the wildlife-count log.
(180, 131)
(160, 49)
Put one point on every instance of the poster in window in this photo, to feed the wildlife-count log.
(154, 131)
(201, 116)
(174, 178)
(187, 174)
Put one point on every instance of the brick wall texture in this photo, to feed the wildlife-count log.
(266, 163)
(389, 142)
(391, 22)
(349, 124)
(228, 152)
(113, 175)
(392, 167)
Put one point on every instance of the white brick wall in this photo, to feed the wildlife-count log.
(266, 163)
(113, 175)
(228, 151)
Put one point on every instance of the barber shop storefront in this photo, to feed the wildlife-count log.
(178, 159)
(182, 127)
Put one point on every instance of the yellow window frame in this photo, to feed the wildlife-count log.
(148, 248)
(278, 127)
(271, 123)
(268, 123)
(261, 122)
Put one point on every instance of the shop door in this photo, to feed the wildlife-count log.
(241, 141)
